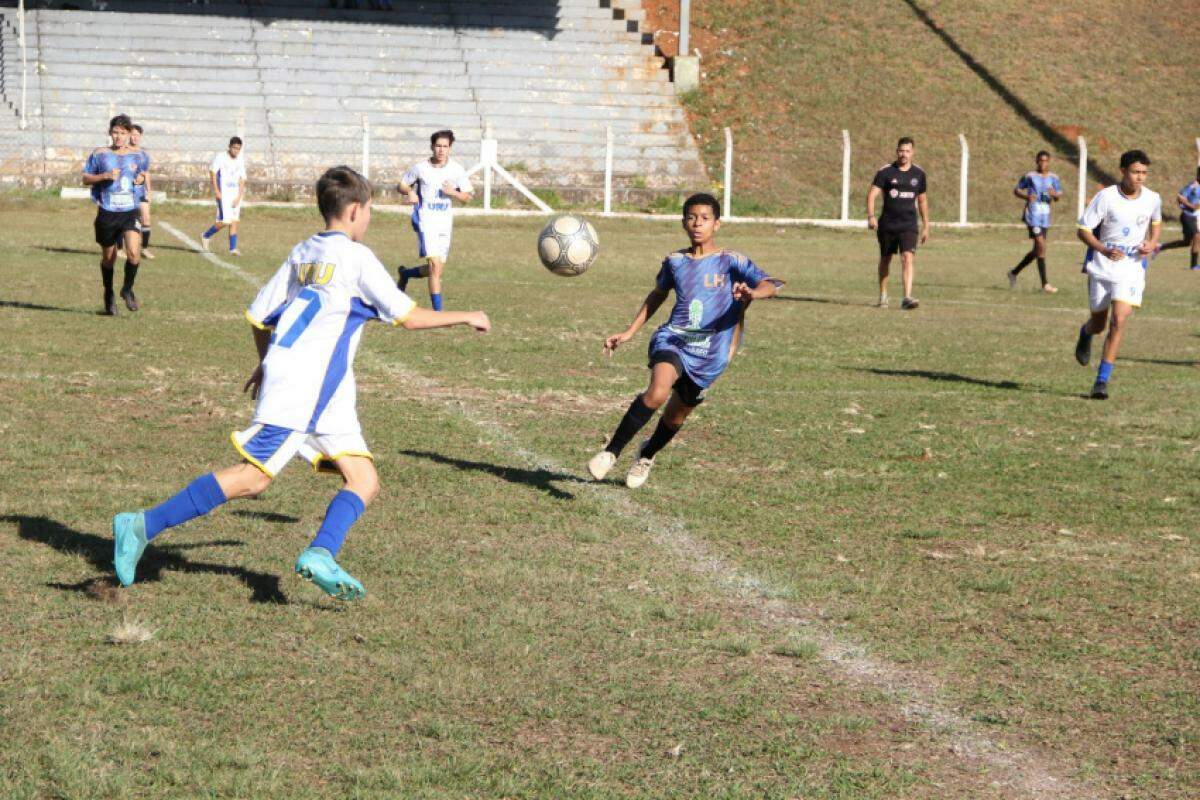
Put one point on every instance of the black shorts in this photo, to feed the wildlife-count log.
(1188, 224)
(111, 226)
(1037, 230)
(891, 242)
(691, 393)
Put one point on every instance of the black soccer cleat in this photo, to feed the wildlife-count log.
(130, 301)
(110, 304)
(1100, 390)
(1083, 347)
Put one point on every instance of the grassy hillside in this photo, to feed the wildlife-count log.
(787, 77)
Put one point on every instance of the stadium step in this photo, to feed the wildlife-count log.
(298, 80)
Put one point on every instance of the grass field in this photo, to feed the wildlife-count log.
(896, 555)
(1014, 78)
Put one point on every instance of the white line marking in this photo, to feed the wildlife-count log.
(192, 243)
(915, 694)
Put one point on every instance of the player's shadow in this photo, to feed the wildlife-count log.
(93, 252)
(98, 550)
(1169, 362)
(265, 516)
(542, 479)
(40, 307)
(832, 301)
(948, 377)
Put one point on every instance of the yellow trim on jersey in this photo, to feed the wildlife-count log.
(319, 465)
(258, 324)
(1084, 228)
(400, 320)
(242, 451)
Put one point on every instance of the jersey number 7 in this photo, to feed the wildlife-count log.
(306, 316)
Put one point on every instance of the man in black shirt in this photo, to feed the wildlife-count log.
(902, 184)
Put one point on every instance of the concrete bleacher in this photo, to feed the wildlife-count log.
(295, 79)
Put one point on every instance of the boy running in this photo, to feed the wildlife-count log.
(902, 184)
(1038, 189)
(228, 176)
(1120, 227)
(307, 325)
(430, 186)
(143, 190)
(1189, 203)
(114, 173)
(691, 350)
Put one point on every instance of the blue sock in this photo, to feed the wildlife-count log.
(409, 273)
(344, 510)
(211, 232)
(233, 241)
(197, 499)
(1105, 372)
(437, 301)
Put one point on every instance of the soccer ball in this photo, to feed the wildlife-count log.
(568, 245)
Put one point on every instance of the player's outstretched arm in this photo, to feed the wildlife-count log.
(766, 288)
(420, 319)
(644, 313)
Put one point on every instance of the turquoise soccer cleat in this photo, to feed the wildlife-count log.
(129, 542)
(316, 564)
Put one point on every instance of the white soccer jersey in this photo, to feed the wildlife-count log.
(317, 303)
(1122, 222)
(230, 172)
(427, 180)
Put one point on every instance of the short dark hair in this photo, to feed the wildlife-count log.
(121, 121)
(137, 128)
(339, 187)
(1041, 153)
(446, 134)
(702, 199)
(905, 140)
(1131, 157)
(234, 140)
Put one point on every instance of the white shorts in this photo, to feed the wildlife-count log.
(226, 211)
(270, 447)
(1102, 293)
(433, 235)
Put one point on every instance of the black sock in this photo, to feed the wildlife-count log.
(130, 276)
(145, 237)
(1042, 270)
(106, 275)
(1194, 256)
(634, 420)
(661, 437)
(1024, 263)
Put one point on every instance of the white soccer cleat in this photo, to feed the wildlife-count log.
(883, 301)
(600, 464)
(204, 243)
(235, 252)
(639, 472)
(148, 254)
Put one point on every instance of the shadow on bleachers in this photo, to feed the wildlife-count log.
(527, 15)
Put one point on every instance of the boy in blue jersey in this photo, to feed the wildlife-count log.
(1189, 204)
(307, 325)
(113, 173)
(691, 350)
(1038, 189)
(143, 190)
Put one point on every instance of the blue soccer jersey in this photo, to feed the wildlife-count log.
(1037, 209)
(118, 195)
(702, 322)
(143, 163)
(1191, 193)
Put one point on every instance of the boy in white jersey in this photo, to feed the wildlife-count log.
(430, 186)
(1120, 227)
(228, 176)
(307, 325)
